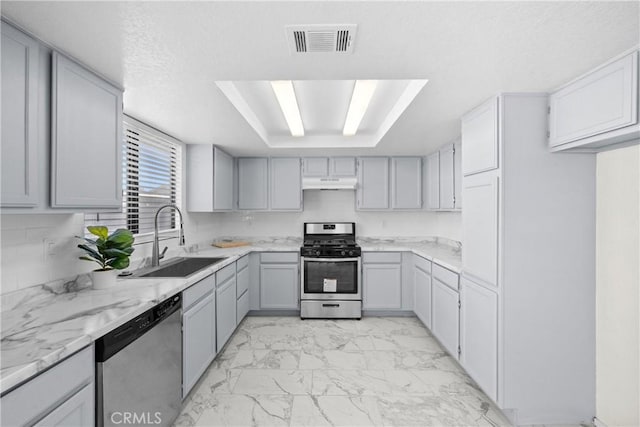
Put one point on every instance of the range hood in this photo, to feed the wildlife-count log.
(313, 183)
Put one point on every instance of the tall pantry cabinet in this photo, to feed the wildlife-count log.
(527, 316)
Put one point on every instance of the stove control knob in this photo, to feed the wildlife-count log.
(318, 252)
(350, 253)
(343, 253)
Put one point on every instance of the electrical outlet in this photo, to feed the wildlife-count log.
(49, 248)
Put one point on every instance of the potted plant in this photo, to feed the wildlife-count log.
(110, 251)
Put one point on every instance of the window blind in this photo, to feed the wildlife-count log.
(151, 171)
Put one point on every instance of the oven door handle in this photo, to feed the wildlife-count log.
(305, 259)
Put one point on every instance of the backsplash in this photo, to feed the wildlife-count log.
(39, 248)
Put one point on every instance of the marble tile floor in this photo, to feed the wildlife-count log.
(379, 371)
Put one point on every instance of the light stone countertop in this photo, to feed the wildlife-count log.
(41, 325)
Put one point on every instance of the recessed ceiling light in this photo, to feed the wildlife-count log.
(362, 92)
(289, 105)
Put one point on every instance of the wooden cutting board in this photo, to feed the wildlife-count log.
(230, 244)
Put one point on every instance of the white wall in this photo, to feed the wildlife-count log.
(617, 287)
(339, 206)
(23, 238)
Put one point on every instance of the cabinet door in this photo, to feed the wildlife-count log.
(445, 316)
(406, 183)
(285, 184)
(422, 303)
(315, 166)
(381, 287)
(279, 286)
(373, 183)
(480, 227)
(198, 341)
(480, 138)
(446, 177)
(199, 171)
(19, 153)
(457, 174)
(78, 410)
(602, 101)
(222, 180)
(479, 335)
(253, 183)
(86, 138)
(342, 166)
(433, 181)
(225, 312)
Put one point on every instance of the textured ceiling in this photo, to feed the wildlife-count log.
(167, 55)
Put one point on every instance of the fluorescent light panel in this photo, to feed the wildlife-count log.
(362, 92)
(289, 105)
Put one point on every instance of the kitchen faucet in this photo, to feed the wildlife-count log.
(156, 256)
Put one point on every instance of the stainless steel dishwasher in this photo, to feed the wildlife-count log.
(139, 369)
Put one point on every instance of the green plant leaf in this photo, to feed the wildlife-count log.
(86, 258)
(92, 253)
(120, 239)
(119, 263)
(86, 239)
(99, 230)
(115, 253)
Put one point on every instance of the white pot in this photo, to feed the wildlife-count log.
(103, 279)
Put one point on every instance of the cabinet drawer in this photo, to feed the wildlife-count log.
(39, 396)
(194, 293)
(225, 274)
(422, 263)
(242, 263)
(381, 257)
(279, 257)
(445, 276)
(242, 307)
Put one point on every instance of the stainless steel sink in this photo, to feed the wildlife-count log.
(179, 267)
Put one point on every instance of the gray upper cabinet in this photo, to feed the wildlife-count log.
(19, 153)
(406, 182)
(285, 186)
(315, 166)
(433, 181)
(336, 167)
(447, 196)
(480, 134)
(209, 179)
(457, 174)
(253, 183)
(373, 183)
(86, 138)
(342, 166)
(598, 109)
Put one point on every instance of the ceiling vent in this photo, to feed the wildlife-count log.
(321, 38)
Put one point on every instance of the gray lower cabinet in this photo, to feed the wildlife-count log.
(406, 182)
(373, 183)
(382, 281)
(422, 289)
(62, 395)
(479, 335)
(242, 288)
(285, 184)
(253, 183)
(19, 155)
(198, 331)
(445, 318)
(226, 301)
(209, 179)
(86, 138)
(279, 281)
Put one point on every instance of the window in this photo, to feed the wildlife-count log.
(151, 172)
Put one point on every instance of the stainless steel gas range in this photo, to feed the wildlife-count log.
(331, 271)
